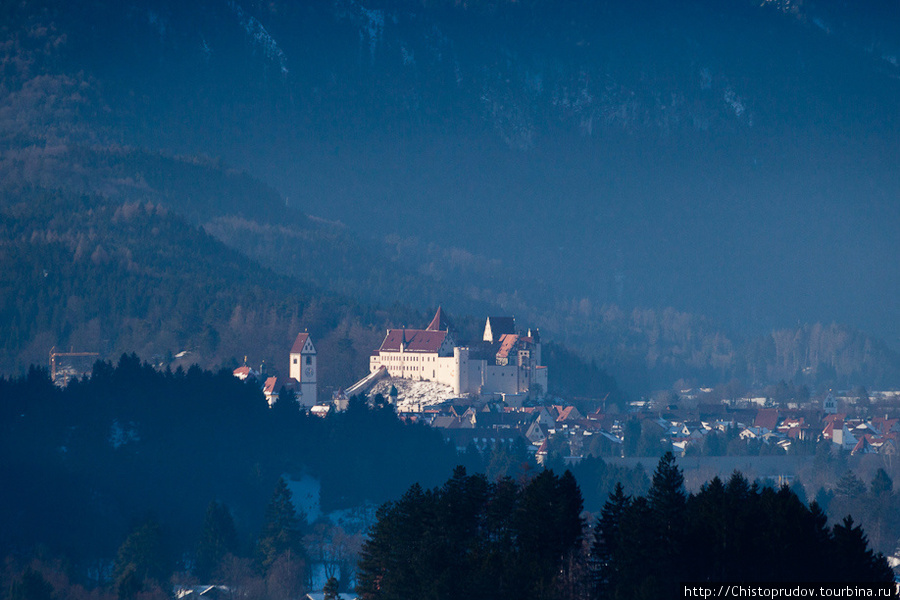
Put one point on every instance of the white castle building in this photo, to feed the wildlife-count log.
(504, 362)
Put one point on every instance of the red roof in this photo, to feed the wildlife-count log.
(884, 425)
(415, 340)
(297, 348)
(507, 342)
(438, 323)
(567, 413)
(767, 417)
(861, 446)
(273, 385)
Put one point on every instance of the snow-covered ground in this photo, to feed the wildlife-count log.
(413, 395)
(305, 492)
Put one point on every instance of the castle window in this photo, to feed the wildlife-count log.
(309, 360)
(295, 361)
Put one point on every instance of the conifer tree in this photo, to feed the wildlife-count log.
(850, 485)
(143, 553)
(281, 528)
(606, 541)
(218, 538)
(31, 586)
(853, 559)
(667, 499)
(882, 483)
(667, 495)
(331, 588)
(471, 538)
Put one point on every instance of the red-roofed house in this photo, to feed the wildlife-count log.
(244, 372)
(865, 446)
(795, 428)
(886, 426)
(766, 418)
(272, 388)
(569, 413)
(541, 455)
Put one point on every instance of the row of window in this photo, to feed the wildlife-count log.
(390, 358)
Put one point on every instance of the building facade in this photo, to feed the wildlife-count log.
(503, 362)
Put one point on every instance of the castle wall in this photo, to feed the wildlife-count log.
(453, 367)
(407, 365)
(539, 377)
(476, 375)
(501, 380)
(447, 372)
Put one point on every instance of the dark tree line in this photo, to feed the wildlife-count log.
(472, 538)
(93, 461)
(272, 565)
(729, 531)
(89, 461)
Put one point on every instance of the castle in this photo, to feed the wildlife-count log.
(503, 362)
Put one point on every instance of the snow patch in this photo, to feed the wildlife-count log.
(408, 56)
(369, 21)
(734, 101)
(260, 36)
(119, 435)
(373, 27)
(305, 493)
(157, 22)
(821, 25)
(414, 395)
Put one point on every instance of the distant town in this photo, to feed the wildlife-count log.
(494, 391)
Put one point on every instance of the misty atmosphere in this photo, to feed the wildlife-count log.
(252, 245)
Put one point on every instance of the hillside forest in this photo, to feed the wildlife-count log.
(176, 470)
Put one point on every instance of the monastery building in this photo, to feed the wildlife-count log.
(503, 362)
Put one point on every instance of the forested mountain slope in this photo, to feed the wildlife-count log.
(659, 185)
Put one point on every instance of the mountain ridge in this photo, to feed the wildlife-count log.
(637, 176)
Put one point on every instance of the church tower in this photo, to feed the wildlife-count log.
(304, 369)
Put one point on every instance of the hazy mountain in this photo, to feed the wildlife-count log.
(562, 161)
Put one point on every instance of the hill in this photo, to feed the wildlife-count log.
(631, 178)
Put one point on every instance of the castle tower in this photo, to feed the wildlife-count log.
(304, 369)
(536, 337)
